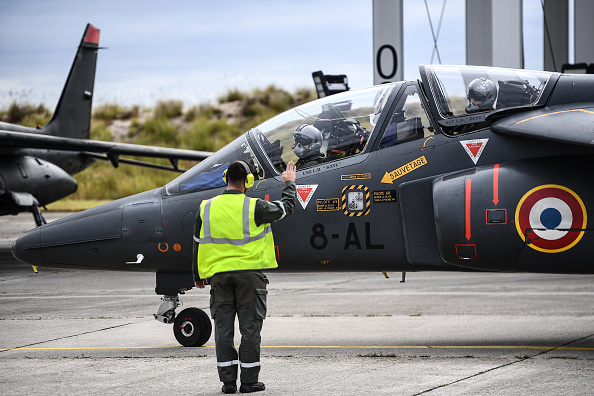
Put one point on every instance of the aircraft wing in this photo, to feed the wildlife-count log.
(101, 149)
(566, 124)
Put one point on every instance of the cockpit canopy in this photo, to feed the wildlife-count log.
(340, 126)
(345, 123)
(463, 90)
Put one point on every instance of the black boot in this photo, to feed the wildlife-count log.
(229, 387)
(253, 387)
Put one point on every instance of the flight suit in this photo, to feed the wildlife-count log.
(234, 272)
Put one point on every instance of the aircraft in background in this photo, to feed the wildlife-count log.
(466, 168)
(36, 164)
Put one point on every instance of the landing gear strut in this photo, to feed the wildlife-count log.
(37, 216)
(166, 311)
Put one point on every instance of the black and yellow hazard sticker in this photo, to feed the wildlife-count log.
(355, 200)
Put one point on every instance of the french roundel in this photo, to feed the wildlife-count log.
(549, 218)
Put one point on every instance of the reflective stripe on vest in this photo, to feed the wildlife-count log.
(229, 238)
(245, 223)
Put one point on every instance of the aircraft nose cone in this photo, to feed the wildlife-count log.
(27, 248)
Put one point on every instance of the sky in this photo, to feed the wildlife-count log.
(196, 51)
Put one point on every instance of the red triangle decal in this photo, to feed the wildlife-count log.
(304, 193)
(474, 147)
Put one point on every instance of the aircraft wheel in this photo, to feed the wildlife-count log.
(192, 327)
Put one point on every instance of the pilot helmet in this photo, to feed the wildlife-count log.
(308, 141)
(481, 94)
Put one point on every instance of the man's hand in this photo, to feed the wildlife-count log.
(289, 173)
(200, 284)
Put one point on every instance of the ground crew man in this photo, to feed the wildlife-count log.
(233, 243)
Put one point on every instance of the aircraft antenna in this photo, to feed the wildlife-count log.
(435, 37)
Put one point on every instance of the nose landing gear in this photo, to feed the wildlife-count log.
(192, 327)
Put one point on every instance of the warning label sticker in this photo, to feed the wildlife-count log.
(474, 148)
(389, 177)
(384, 196)
(356, 176)
(305, 192)
(327, 204)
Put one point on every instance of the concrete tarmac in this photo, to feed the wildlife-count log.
(77, 332)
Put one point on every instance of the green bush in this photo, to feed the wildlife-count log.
(169, 108)
(27, 115)
(157, 132)
(203, 110)
(206, 135)
(232, 96)
(108, 112)
(103, 181)
(99, 131)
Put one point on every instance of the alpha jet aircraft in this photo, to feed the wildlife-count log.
(467, 168)
(36, 164)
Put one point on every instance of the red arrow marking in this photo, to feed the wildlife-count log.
(467, 212)
(496, 184)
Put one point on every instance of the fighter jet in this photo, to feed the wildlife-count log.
(36, 164)
(464, 169)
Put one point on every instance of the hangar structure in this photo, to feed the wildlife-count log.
(493, 35)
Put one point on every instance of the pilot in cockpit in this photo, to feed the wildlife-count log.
(308, 141)
(482, 94)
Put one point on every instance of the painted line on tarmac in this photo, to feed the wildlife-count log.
(320, 347)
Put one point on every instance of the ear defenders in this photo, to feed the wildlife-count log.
(249, 179)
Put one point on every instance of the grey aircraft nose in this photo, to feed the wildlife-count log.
(27, 248)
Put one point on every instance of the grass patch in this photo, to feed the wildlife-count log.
(110, 112)
(104, 182)
(169, 109)
(26, 114)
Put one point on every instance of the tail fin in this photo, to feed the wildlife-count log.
(72, 117)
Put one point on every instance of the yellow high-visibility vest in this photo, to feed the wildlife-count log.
(229, 238)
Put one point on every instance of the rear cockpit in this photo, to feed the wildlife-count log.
(463, 96)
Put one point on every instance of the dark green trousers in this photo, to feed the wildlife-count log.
(241, 293)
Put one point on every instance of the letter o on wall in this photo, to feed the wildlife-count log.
(391, 54)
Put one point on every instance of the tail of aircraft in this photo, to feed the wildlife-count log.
(73, 113)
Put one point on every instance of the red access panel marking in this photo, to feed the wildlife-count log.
(467, 208)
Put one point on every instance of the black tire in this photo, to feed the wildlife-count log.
(192, 327)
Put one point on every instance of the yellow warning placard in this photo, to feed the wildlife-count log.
(356, 176)
(389, 177)
(327, 204)
(384, 196)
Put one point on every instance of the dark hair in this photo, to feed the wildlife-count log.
(236, 171)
